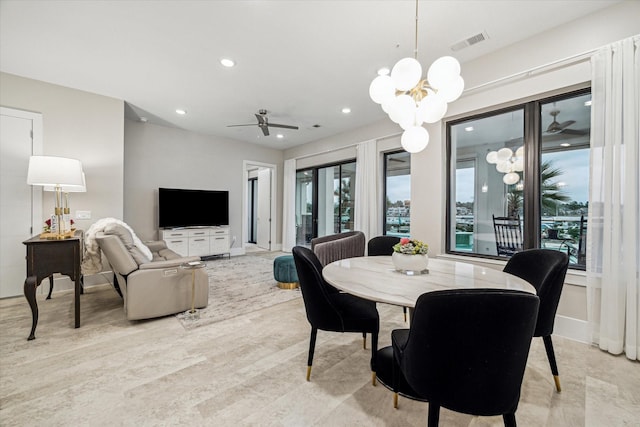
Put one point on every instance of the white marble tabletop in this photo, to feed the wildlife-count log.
(374, 278)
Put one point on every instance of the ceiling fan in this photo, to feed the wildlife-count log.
(556, 127)
(263, 123)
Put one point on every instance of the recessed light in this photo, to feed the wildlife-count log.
(469, 128)
(279, 136)
(181, 111)
(346, 110)
(565, 144)
(384, 71)
(587, 103)
(143, 119)
(226, 62)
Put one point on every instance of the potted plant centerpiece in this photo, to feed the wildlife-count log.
(410, 256)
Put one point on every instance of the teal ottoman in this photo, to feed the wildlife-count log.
(284, 271)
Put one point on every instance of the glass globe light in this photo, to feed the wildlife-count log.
(382, 89)
(518, 165)
(511, 178)
(504, 154)
(442, 71)
(432, 108)
(406, 73)
(492, 157)
(415, 139)
(503, 166)
(452, 90)
(520, 152)
(404, 109)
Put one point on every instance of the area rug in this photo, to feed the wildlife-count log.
(238, 286)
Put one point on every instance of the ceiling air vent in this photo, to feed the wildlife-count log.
(470, 41)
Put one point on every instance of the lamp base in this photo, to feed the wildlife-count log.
(56, 236)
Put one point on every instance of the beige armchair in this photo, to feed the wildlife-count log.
(151, 288)
(338, 246)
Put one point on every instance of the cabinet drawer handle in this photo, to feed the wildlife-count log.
(198, 240)
(219, 238)
(176, 241)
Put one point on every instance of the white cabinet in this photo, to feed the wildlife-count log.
(197, 241)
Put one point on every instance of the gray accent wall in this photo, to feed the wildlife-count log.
(159, 156)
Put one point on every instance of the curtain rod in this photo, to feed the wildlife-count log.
(550, 66)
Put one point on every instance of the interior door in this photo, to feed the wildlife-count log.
(264, 209)
(20, 204)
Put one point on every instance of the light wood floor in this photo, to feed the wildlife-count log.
(250, 371)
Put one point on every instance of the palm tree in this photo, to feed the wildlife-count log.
(552, 195)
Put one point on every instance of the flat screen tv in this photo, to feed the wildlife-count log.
(192, 208)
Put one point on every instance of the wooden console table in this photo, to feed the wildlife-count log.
(46, 257)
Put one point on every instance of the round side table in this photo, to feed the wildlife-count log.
(192, 314)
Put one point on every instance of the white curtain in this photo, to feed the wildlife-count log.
(367, 206)
(289, 206)
(613, 235)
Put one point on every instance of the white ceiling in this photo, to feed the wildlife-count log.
(303, 61)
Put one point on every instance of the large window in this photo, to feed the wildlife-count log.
(325, 198)
(518, 178)
(397, 194)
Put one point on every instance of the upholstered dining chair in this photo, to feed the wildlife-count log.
(330, 310)
(466, 351)
(545, 269)
(383, 246)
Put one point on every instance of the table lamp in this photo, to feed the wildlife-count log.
(56, 172)
(66, 189)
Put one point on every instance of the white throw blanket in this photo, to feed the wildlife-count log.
(92, 260)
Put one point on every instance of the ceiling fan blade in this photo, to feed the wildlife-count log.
(566, 124)
(275, 125)
(232, 126)
(265, 130)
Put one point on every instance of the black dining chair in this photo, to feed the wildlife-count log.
(466, 351)
(545, 269)
(383, 246)
(330, 310)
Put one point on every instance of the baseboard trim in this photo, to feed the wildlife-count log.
(573, 329)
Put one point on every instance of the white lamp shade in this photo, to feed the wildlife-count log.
(432, 108)
(452, 90)
(520, 152)
(492, 157)
(504, 154)
(511, 178)
(54, 171)
(69, 188)
(518, 165)
(442, 71)
(382, 89)
(415, 139)
(503, 166)
(406, 73)
(403, 109)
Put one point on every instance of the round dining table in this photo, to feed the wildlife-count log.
(375, 278)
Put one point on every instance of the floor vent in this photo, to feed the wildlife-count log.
(480, 37)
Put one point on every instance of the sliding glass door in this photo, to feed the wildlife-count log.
(324, 201)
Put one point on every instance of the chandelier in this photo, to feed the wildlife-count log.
(508, 163)
(411, 100)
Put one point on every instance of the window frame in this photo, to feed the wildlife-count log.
(532, 141)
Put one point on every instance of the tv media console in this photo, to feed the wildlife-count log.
(200, 241)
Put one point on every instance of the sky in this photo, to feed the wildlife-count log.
(399, 188)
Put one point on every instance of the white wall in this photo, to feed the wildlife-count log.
(80, 125)
(159, 156)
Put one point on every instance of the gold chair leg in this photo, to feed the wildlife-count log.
(308, 372)
(556, 378)
(395, 400)
(364, 341)
(373, 378)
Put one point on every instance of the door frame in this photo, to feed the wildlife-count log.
(246, 166)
